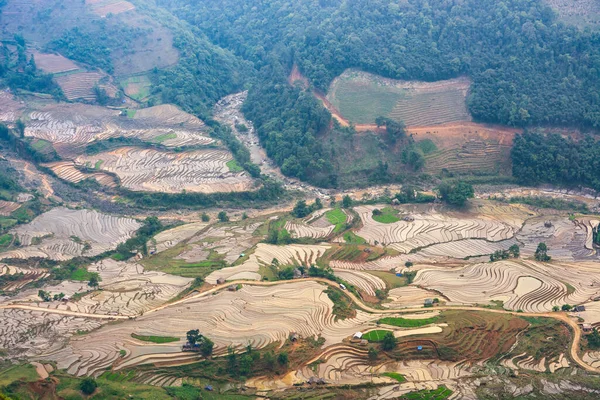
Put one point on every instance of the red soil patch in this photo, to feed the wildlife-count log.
(458, 132)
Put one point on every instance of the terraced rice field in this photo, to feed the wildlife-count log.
(80, 85)
(361, 97)
(296, 254)
(8, 207)
(25, 333)
(127, 289)
(53, 63)
(527, 362)
(364, 281)
(72, 126)
(50, 235)
(29, 275)
(10, 109)
(67, 171)
(152, 170)
(105, 7)
(250, 315)
(316, 226)
(433, 228)
(172, 237)
(527, 286)
(464, 147)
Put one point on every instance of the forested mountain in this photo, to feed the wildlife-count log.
(526, 67)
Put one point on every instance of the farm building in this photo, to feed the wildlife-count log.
(428, 303)
(220, 281)
(358, 335)
(587, 327)
(578, 308)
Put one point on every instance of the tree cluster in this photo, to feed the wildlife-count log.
(455, 194)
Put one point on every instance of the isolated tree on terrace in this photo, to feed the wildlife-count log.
(389, 341)
(206, 346)
(222, 216)
(300, 210)
(347, 201)
(193, 336)
(20, 126)
(88, 386)
(373, 354)
(94, 281)
(541, 253)
(455, 194)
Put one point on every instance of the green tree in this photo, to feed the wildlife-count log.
(45, 296)
(514, 250)
(300, 210)
(389, 341)
(205, 217)
(283, 359)
(373, 354)
(94, 282)
(269, 359)
(231, 361)
(593, 339)
(346, 201)
(456, 194)
(206, 347)
(193, 336)
(541, 253)
(318, 204)
(566, 307)
(20, 127)
(246, 364)
(88, 386)
(222, 216)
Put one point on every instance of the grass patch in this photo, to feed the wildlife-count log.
(40, 145)
(164, 137)
(396, 376)
(361, 101)
(98, 164)
(24, 372)
(155, 339)
(376, 335)
(407, 323)
(550, 202)
(391, 280)
(440, 393)
(386, 216)
(234, 166)
(338, 218)
(352, 238)
(427, 146)
(5, 240)
(342, 306)
(165, 261)
(7, 223)
(81, 275)
(131, 113)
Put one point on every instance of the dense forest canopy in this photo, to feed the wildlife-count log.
(539, 158)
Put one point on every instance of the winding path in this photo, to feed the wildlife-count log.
(555, 315)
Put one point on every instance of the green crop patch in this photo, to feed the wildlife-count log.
(408, 323)
(234, 166)
(440, 393)
(395, 375)
(386, 216)
(376, 335)
(155, 339)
